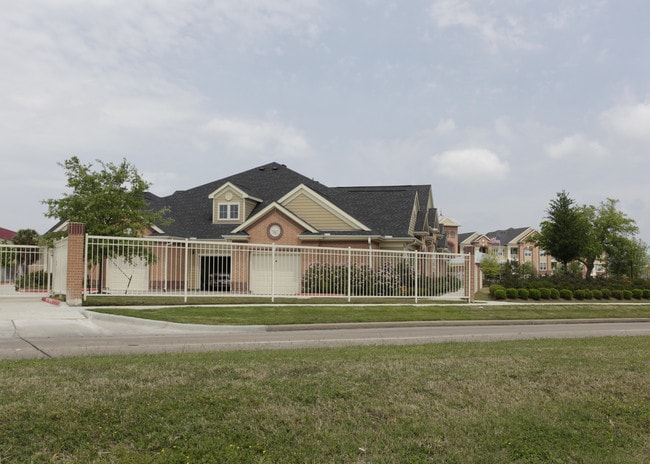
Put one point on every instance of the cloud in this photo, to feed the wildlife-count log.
(576, 146)
(260, 137)
(495, 30)
(630, 121)
(472, 164)
(445, 127)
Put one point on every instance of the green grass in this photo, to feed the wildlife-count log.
(534, 401)
(295, 314)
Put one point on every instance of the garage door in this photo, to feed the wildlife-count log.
(125, 278)
(286, 269)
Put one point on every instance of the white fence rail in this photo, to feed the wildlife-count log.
(124, 266)
(24, 270)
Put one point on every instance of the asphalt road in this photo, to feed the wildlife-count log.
(33, 329)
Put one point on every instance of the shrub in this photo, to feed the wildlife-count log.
(646, 293)
(500, 294)
(627, 294)
(637, 293)
(522, 293)
(589, 294)
(555, 293)
(36, 280)
(617, 294)
(545, 293)
(607, 293)
(534, 293)
(597, 294)
(579, 294)
(494, 288)
(511, 293)
(566, 294)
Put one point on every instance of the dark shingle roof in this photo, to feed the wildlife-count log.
(385, 210)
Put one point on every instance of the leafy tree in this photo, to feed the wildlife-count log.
(26, 237)
(491, 268)
(628, 257)
(563, 232)
(608, 228)
(109, 201)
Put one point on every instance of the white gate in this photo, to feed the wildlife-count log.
(24, 270)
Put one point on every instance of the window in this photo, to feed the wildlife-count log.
(228, 211)
(542, 252)
(528, 252)
(542, 266)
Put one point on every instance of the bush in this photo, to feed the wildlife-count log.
(607, 293)
(566, 294)
(646, 293)
(36, 280)
(617, 294)
(522, 293)
(637, 293)
(627, 294)
(555, 293)
(500, 294)
(579, 294)
(545, 293)
(597, 294)
(511, 293)
(494, 288)
(534, 293)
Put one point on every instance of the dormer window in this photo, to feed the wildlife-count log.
(228, 211)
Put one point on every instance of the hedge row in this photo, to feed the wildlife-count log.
(498, 292)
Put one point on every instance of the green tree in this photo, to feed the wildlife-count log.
(109, 201)
(491, 268)
(26, 237)
(564, 231)
(628, 257)
(608, 229)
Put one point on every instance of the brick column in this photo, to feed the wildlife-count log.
(470, 274)
(76, 265)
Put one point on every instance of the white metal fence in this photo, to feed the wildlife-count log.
(24, 270)
(147, 266)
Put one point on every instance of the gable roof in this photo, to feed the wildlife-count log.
(6, 234)
(373, 210)
(504, 237)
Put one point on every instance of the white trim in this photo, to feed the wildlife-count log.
(267, 210)
(240, 192)
(326, 204)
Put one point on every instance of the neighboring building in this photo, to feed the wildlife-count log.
(273, 204)
(450, 232)
(514, 244)
(6, 235)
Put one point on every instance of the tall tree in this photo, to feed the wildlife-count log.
(109, 201)
(629, 258)
(564, 231)
(608, 228)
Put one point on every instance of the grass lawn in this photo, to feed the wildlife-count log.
(297, 314)
(533, 401)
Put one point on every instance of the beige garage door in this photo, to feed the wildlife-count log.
(286, 269)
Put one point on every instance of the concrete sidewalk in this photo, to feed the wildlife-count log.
(33, 317)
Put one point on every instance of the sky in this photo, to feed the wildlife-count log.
(497, 104)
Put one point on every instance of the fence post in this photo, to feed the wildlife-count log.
(273, 273)
(416, 276)
(349, 274)
(76, 266)
(187, 251)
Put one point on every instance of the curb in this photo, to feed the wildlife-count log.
(380, 325)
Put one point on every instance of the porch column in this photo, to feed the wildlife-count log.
(76, 266)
